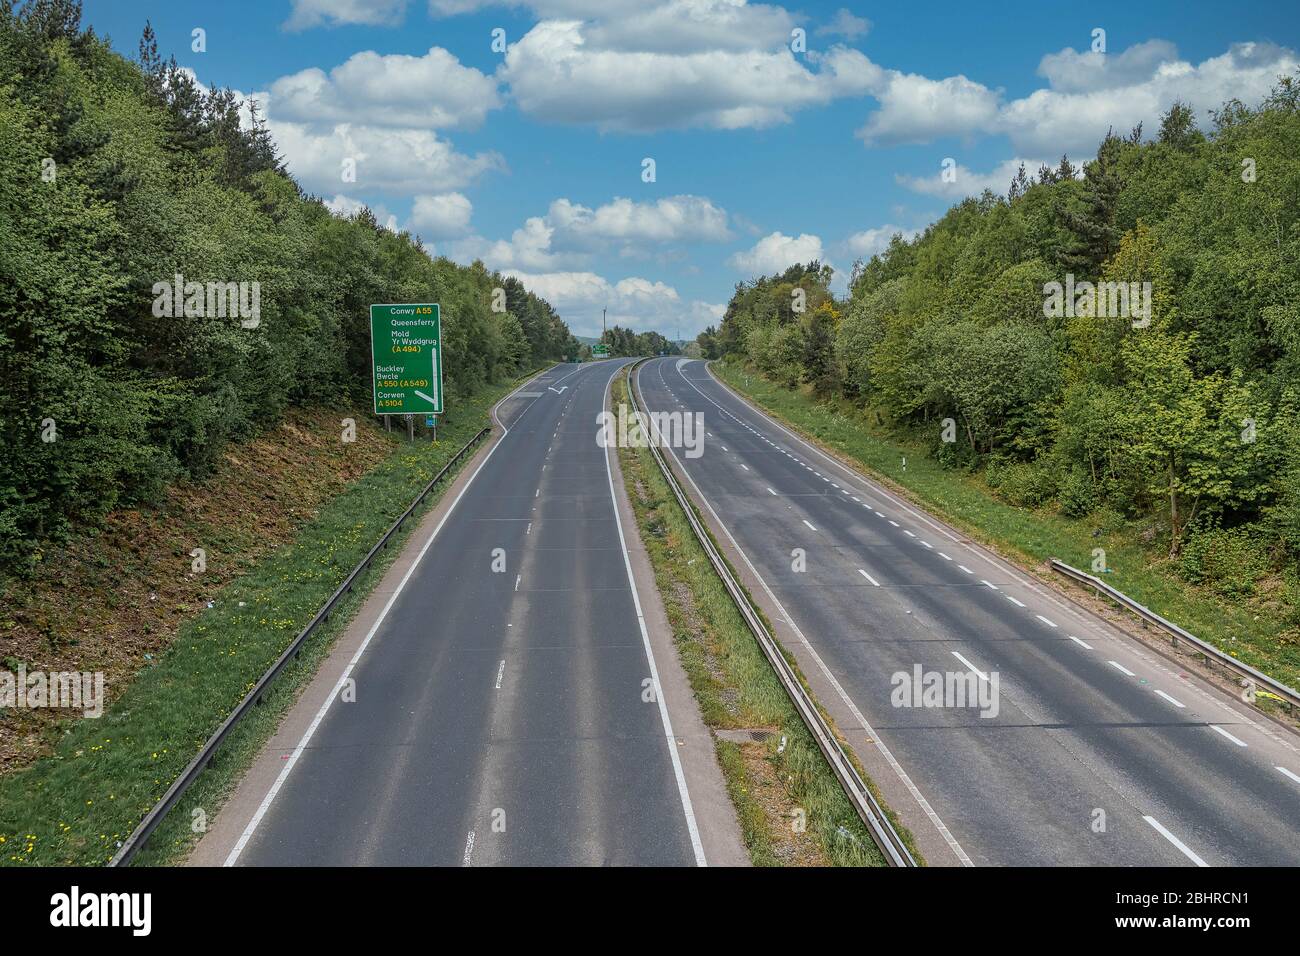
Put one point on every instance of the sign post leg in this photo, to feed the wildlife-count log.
(410, 428)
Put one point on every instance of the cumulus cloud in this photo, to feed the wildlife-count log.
(427, 92)
(776, 252)
(966, 182)
(844, 24)
(1087, 95)
(392, 160)
(633, 302)
(556, 74)
(870, 242)
(314, 13)
(441, 216)
(570, 233)
(346, 207)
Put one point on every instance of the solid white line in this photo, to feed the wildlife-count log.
(1084, 644)
(809, 524)
(1288, 773)
(1219, 730)
(1175, 841)
(1048, 622)
(670, 739)
(1121, 668)
(374, 629)
(868, 577)
(1176, 703)
(978, 673)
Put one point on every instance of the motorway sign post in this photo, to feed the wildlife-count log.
(406, 358)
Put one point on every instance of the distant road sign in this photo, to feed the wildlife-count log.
(406, 358)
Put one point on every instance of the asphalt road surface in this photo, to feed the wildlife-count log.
(1088, 723)
(500, 715)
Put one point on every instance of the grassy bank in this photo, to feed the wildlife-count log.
(75, 805)
(1250, 631)
(791, 808)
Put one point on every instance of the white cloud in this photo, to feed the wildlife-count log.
(870, 242)
(346, 207)
(966, 182)
(1088, 95)
(441, 216)
(570, 233)
(916, 109)
(425, 92)
(557, 74)
(777, 252)
(393, 160)
(633, 302)
(845, 24)
(314, 13)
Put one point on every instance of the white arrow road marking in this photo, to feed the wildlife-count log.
(560, 390)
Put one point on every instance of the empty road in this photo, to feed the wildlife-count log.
(1100, 752)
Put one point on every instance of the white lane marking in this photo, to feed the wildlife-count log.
(966, 569)
(987, 584)
(1186, 851)
(908, 533)
(978, 673)
(857, 500)
(942, 555)
(724, 447)
(879, 515)
(1047, 621)
(1014, 601)
(835, 486)
(469, 849)
(927, 544)
(374, 629)
(868, 577)
(770, 491)
(745, 466)
(501, 670)
(1219, 730)
(518, 578)
(893, 522)
(1174, 701)
(1083, 644)
(671, 740)
(1288, 773)
(872, 736)
(530, 528)
(1121, 668)
(809, 524)
(537, 493)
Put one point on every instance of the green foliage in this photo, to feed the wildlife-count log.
(1229, 560)
(1179, 416)
(623, 342)
(115, 177)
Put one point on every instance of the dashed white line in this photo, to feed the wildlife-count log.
(1048, 621)
(978, 673)
(1121, 668)
(893, 522)
(908, 533)
(1172, 700)
(469, 849)
(518, 578)
(501, 670)
(1288, 773)
(770, 491)
(988, 584)
(1083, 644)
(1186, 851)
(1219, 730)
(942, 555)
(966, 569)
(745, 466)
(809, 524)
(868, 577)
(1014, 601)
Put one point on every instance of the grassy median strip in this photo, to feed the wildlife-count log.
(791, 807)
(75, 806)
(1029, 536)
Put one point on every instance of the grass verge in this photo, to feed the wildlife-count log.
(76, 805)
(1028, 536)
(791, 808)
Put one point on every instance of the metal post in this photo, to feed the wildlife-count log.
(410, 428)
(388, 423)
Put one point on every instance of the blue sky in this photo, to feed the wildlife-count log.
(532, 159)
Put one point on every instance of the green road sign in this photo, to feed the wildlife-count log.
(600, 348)
(406, 357)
